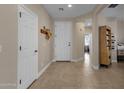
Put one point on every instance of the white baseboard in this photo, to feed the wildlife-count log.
(73, 60)
(95, 67)
(77, 60)
(42, 71)
(80, 59)
(8, 86)
(114, 61)
(53, 60)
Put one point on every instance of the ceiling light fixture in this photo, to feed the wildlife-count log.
(69, 5)
(61, 9)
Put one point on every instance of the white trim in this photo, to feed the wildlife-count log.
(8, 86)
(81, 59)
(53, 60)
(95, 67)
(43, 69)
(36, 16)
(73, 60)
(114, 61)
(77, 60)
(28, 9)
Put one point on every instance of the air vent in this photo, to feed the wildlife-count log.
(112, 5)
(61, 9)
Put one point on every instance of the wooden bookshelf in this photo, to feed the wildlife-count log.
(105, 45)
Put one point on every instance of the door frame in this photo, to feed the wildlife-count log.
(90, 45)
(18, 14)
(70, 40)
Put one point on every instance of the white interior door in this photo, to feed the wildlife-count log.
(63, 41)
(28, 47)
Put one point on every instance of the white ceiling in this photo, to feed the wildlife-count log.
(74, 11)
(117, 12)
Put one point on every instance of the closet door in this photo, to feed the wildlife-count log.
(28, 47)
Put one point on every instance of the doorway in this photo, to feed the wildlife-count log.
(28, 47)
(87, 47)
(63, 41)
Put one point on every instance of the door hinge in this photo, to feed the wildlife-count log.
(20, 14)
(20, 81)
(20, 48)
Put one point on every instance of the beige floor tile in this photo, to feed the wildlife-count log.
(78, 75)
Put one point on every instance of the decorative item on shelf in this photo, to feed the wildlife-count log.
(47, 32)
(113, 36)
(107, 34)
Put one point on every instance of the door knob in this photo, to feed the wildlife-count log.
(35, 51)
(69, 43)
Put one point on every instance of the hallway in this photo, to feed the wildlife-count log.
(47, 44)
(79, 75)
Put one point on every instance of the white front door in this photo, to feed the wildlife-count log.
(28, 47)
(63, 41)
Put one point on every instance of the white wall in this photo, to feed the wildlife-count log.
(8, 44)
(78, 41)
(120, 31)
(95, 37)
(113, 24)
(79, 23)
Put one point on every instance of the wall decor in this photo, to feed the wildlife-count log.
(47, 32)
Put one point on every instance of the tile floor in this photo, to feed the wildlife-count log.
(80, 75)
